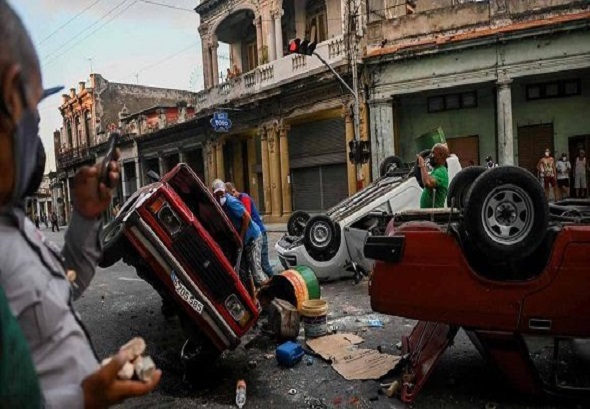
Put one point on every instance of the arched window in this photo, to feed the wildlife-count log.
(316, 22)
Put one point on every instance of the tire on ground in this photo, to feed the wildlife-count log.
(417, 171)
(322, 238)
(296, 223)
(460, 185)
(198, 349)
(388, 163)
(506, 213)
(114, 244)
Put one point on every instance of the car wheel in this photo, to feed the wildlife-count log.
(460, 185)
(506, 213)
(296, 223)
(417, 171)
(113, 244)
(321, 237)
(390, 163)
(198, 350)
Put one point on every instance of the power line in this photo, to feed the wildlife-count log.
(68, 22)
(91, 33)
(167, 6)
(85, 30)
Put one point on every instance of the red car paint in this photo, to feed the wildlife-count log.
(434, 282)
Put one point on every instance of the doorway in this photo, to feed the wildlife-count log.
(532, 142)
(466, 148)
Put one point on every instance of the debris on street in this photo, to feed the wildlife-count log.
(351, 362)
(289, 354)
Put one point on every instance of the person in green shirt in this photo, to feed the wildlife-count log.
(437, 181)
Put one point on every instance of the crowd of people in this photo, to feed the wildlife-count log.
(556, 176)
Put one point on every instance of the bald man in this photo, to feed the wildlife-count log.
(436, 183)
(33, 274)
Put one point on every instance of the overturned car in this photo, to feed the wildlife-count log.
(180, 241)
(332, 243)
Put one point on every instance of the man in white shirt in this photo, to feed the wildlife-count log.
(564, 168)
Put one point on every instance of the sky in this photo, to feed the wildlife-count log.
(129, 41)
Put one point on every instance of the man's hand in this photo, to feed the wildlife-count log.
(92, 197)
(420, 161)
(103, 389)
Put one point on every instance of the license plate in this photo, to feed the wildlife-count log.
(185, 294)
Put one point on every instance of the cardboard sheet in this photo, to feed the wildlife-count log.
(350, 361)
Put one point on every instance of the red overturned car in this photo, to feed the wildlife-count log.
(502, 264)
(180, 241)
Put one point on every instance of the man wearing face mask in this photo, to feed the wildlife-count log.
(548, 171)
(247, 229)
(436, 183)
(39, 280)
(564, 168)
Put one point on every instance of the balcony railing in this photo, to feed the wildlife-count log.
(72, 156)
(267, 76)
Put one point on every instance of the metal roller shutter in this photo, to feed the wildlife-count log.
(317, 156)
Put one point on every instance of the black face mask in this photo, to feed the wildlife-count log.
(29, 153)
(432, 161)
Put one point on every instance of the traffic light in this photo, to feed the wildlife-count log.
(304, 47)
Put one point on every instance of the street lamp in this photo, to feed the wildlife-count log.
(359, 150)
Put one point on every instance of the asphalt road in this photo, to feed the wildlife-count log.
(118, 306)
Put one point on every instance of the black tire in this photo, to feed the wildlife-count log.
(506, 213)
(390, 163)
(296, 223)
(321, 238)
(417, 171)
(198, 351)
(114, 244)
(460, 185)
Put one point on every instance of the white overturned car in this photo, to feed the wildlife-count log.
(332, 243)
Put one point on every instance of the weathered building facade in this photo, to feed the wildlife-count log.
(91, 109)
(291, 118)
(505, 78)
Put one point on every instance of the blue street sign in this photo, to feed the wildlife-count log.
(220, 122)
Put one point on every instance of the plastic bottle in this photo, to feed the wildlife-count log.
(241, 393)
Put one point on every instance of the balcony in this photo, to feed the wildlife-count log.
(67, 158)
(268, 76)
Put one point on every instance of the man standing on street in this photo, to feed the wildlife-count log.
(253, 211)
(54, 223)
(32, 271)
(564, 168)
(436, 183)
(580, 175)
(547, 170)
(247, 229)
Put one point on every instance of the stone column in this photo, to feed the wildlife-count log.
(277, 15)
(210, 162)
(206, 56)
(285, 170)
(350, 167)
(138, 173)
(161, 164)
(265, 171)
(214, 62)
(123, 183)
(259, 43)
(271, 37)
(382, 132)
(68, 200)
(275, 172)
(505, 128)
(220, 171)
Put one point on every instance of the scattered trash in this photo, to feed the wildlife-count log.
(269, 356)
(393, 388)
(375, 323)
(332, 328)
(241, 393)
(350, 361)
(313, 314)
(315, 403)
(283, 319)
(309, 360)
(292, 391)
(289, 353)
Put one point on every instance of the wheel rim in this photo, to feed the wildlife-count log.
(113, 233)
(299, 224)
(508, 214)
(321, 234)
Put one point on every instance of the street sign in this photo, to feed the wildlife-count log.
(220, 122)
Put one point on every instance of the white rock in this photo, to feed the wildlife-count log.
(144, 368)
(134, 348)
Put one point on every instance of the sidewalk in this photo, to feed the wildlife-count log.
(276, 227)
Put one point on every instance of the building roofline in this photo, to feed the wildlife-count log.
(476, 34)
